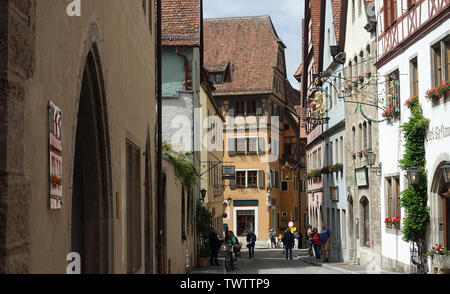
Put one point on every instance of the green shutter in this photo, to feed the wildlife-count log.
(233, 184)
(231, 146)
(261, 179)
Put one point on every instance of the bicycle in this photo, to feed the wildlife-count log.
(230, 261)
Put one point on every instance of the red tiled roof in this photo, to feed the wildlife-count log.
(180, 22)
(299, 70)
(367, 2)
(250, 45)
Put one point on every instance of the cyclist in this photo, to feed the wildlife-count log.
(231, 250)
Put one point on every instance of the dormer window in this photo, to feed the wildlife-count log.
(217, 78)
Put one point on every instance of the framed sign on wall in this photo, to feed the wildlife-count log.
(361, 177)
(55, 156)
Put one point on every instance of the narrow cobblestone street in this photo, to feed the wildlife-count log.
(272, 261)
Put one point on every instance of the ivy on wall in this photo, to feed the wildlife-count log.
(185, 170)
(414, 198)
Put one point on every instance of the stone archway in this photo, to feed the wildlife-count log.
(440, 208)
(91, 218)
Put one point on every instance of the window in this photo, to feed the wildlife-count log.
(441, 61)
(341, 149)
(133, 206)
(252, 179)
(366, 222)
(240, 108)
(287, 149)
(353, 139)
(369, 135)
(390, 12)
(240, 179)
(393, 196)
(251, 107)
(414, 80)
(246, 146)
(284, 186)
(245, 220)
(249, 179)
(353, 10)
(336, 148)
(364, 135)
(393, 93)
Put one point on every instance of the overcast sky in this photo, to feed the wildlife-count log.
(286, 16)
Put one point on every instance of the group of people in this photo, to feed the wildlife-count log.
(319, 241)
(230, 239)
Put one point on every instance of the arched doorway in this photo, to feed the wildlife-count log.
(440, 211)
(91, 196)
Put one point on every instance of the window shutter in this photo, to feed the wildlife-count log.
(295, 183)
(270, 179)
(261, 179)
(232, 183)
(231, 146)
(259, 107)
(280, 113)
(231, 109)
(261, 145)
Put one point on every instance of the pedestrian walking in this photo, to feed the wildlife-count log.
(288, 242)
(251, 239)
(316, 242)
(214, 244)
(325, 237)
(272, 235)
(309, 243)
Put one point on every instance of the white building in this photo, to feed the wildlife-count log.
(413, 48)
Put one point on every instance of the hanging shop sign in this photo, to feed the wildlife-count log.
(228, 172)
(317, 119)
(55, 156)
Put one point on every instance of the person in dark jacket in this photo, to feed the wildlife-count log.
(251, 239)
(214, 243)
(288, 242)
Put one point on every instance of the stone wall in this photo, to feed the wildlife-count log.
(17, 28)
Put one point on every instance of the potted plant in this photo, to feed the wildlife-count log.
(203, 223)
(440, 259)
(204, 255)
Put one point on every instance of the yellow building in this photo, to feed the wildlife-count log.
(245, 60)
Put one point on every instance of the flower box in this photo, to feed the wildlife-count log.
(436, 93)
(441, 263)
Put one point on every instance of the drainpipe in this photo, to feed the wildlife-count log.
(177, 51)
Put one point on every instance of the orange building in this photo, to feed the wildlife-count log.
(245, 59)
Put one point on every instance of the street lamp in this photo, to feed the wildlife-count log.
(203, 192)
(446, 171)
(229, 201)
(413, 175)
(371, 156)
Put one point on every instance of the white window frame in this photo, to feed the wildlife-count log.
(236, 208)
(246, 178)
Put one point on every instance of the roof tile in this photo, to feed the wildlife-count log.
(180, 22)
(250, 45)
